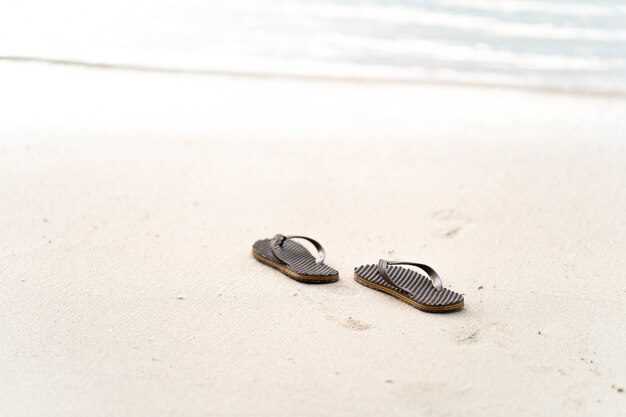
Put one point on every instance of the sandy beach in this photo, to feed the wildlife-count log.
(130, 206)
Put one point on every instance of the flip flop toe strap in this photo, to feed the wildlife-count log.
(430, 273)
(278, 240)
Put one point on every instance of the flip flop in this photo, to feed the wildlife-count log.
(293, 260)
(423, 292)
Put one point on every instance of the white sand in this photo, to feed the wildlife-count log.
(129, 204)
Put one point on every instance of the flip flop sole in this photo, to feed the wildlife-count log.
(428, 308)
(311, 279)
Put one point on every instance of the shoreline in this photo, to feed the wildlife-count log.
(354, 79)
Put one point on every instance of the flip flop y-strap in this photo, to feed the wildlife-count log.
(430, 273)
(278, 240)
(291, 258)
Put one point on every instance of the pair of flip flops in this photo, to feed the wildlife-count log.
(424, 292)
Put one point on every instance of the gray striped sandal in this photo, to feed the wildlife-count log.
(293, 260)
(422, 292)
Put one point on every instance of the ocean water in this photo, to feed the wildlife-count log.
(575, 46)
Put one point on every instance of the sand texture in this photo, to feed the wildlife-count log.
(130, 202)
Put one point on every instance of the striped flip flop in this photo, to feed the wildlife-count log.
(424, 292)
(293, 260)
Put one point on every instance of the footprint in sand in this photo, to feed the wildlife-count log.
(355, 324)
(452, 221)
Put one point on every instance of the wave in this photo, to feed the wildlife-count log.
(565, 46)
(545, 8)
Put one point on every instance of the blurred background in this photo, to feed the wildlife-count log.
(564, 45)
